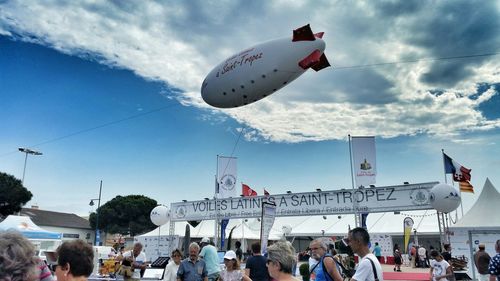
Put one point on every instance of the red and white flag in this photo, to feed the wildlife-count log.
(247, 191)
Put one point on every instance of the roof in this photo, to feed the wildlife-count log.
(483, 212)
(55, 219)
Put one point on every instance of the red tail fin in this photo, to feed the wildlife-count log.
(312, 59)
(323, 63)
(303, 34)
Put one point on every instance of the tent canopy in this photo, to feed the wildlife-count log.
(313, 226)
(27, 228)
(483, 212)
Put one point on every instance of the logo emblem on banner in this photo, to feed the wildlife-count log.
(181, 211)
(419, 196)
(228, 182)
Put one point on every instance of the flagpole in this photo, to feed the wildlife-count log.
(452, 183)
(444, 167)
(352, 182)
(216, 221)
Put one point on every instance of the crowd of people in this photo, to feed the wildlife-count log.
(75, 261)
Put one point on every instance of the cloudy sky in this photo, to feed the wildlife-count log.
(110, 90)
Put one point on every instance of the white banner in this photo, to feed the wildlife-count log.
(267, 221)
(226, 176)
(157, 246)
(385, 243)
(364, 160)
(368, 200)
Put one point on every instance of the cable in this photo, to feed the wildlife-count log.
(96, 127)
(414, 61)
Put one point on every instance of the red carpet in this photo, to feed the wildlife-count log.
(406, 276)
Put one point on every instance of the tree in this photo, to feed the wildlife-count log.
(125, 215)
(13, 195)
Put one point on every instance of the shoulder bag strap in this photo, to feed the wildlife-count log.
(314, 267)
(373, 268)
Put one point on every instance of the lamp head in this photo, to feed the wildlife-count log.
(91, 203)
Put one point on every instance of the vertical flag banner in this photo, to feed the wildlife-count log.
(459, 172)
(226, 176)
(364, 216)
(223, 226)
(364, 159)
(408, 226)
(266, 223)
(247, 191)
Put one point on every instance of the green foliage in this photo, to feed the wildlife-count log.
(125, 215)
(304, 271)
(13, 195)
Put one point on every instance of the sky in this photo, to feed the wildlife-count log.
(110, 90)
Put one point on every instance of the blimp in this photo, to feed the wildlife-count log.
(261, 70)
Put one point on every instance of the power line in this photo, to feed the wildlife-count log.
(97, 127)
(414, 61)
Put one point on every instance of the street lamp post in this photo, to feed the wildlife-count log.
(27, 151)
(97, 215)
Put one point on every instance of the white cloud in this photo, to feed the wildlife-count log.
(178, 43)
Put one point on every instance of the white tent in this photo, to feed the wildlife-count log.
(242, 230)
(28, 228)
(483, 213)
(480, 224)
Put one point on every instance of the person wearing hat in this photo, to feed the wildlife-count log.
(232, 271)
(209, 255)
(481, 260)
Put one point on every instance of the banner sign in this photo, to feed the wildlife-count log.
(364, 160)
(407, 226)
(385, 243)
(267, 221)
(226, 177)
(368, 200)
(157, 246)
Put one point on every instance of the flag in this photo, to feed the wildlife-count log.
(364, 216)
(407, 227)
(247, 191)
(459, 172)
(266, 224)
(223, 225)
(266, 193)
(364, 160)
(226, 176)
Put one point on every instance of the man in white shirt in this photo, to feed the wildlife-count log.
(440, 269)
(369, 268)
(137, 259)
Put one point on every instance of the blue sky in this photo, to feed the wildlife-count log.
(66, 70)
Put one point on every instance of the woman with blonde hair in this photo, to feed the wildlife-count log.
(280, 261)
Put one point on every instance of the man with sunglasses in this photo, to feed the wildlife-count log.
(326, 269)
